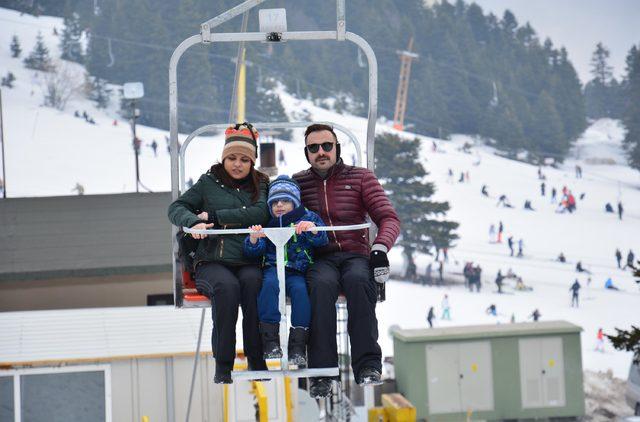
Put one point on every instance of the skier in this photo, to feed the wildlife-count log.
(430, 316)
(500, 230)
(618, 257)
(491, 310)
(510, 243)
(575, 289)
(499, 279)
(620, 210)
(484, 191)
(535, 315)
(446, 314)
(520, 246)
(630, 258)
(543, 187)
(154, 147)
(600, 341)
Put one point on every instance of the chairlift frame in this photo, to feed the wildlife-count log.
(206, 36)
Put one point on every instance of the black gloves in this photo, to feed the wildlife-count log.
(379, 264)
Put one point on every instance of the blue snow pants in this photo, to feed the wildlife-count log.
(296, 289)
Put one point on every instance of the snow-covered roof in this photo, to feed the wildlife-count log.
(62, 336)
(486, 331)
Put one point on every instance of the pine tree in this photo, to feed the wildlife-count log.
(600, 69)
(631, 116)
(8, 80)
(70, 44)
(39, 58)
(15, 47)
(98, 91)
(423, 226)
(602, 93)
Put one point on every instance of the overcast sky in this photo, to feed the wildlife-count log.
(579, 25)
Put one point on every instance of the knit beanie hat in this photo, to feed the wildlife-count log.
(241, 139)
(284, 187)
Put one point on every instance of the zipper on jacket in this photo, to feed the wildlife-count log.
(326, 204)
(222, 242)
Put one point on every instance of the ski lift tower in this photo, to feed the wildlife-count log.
(273, 30)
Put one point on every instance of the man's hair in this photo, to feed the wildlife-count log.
(317, 127)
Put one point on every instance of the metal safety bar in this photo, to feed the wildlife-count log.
(279, 236)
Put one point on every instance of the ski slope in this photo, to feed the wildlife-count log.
(49, 151)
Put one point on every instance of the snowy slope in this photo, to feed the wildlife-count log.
(49, 151)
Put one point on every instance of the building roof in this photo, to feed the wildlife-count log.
(468, 332)
(84, 235)
(102, 334)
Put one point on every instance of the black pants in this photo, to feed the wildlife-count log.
(347, 273)
(229, 287)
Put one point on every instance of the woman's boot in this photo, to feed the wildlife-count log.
(270, 340)
(298, 338)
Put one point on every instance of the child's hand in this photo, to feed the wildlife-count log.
(257, 233)
(304, 226)
(204, 216)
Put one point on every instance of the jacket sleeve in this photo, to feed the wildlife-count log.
(256, 213)
(381, 210)
(254, 251)
(182, 211)
(321, 238)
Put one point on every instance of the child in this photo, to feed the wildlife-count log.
(287, 211)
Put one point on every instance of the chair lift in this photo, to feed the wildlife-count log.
(185, 294)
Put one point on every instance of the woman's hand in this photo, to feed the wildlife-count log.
(304, 226)
(257, 233)
(201, 226)
(204, 216)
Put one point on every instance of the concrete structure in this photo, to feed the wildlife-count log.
(491, 372)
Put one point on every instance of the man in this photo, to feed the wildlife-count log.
(575, 291)
(344, 195)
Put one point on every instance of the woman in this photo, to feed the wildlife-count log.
(231, 195)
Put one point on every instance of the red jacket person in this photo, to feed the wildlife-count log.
(345, 195)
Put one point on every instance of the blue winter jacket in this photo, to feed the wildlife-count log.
(299, 251)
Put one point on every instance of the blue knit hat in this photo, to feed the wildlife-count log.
(284, 187)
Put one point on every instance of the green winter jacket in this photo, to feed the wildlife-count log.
(233, 209)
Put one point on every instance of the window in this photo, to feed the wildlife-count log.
(56, 394)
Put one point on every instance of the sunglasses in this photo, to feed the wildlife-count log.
(326, 147)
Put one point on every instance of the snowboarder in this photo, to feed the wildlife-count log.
(491, 310)
(446, 314)
(510, 243)
(600, 341)
(430, 316)
(484, 191)
(619, 257)
(154, 147)
(500, 230)
(620, 210)
(543, 188)
(499, 279)
(535, 315)
(520, 246)
(504, 201)
(609, 285)
(575, 289)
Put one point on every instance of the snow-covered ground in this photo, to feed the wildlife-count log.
(49, 151)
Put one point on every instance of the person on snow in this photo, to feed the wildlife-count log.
(543, 188)
(609, 284)
(500, 231)
(575, 291)
(535, 315)
(581, 269)
(231, 194)
(492, 233)
(620, 210)
(527, 205)
(345, 195)
(504, 201)
(630, 258)
(619, 258)
(430, 317)
(446, 309)
(286, 211)
(562, 258)
(484, 191)
(608, 208)
(154, 147)
(600, 341)
(491, 310)
(499, 281)
(510, 243)
(520, 247)
(554, 193)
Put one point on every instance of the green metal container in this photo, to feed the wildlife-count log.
(491, 372)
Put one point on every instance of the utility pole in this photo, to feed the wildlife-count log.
(135, 113)
(406, 57)
(3, 182)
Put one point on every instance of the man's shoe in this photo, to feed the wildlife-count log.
(320, 388)
(223, 376)
(369, 376)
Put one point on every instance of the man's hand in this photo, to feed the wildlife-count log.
(200, 226)
(379, 264)
(256, 234)
(304, 226)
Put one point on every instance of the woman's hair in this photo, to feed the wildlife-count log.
(250, 184)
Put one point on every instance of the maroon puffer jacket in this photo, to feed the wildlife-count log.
(345, 197)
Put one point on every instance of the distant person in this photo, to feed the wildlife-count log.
(190, 183)
(554, 194)
(630, 258)
(446, 309)
(510, 244)
(543, 188)
(445, 254)
(620, 210)
(484, 191)
(440, 272)
(619, 258)
(504, 201)
(575, 292)
(600, 341)
(427, 274)
(535, 315)
(154, 147)
(281, 158)
(499, 281)
(492, 233)
(562, 258)
(500, 231)
(527, 205)
(608, 208)
(582, 195)
(491, 310)
(609, 285)
(430, 317)
(520, 247)
(581, 269)
(78, 188)
(578, 172)
(461, 179)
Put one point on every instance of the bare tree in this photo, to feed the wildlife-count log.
(61, 84)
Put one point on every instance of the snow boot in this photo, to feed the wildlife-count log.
(298, 338)
(369, 376)
(270, 340)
